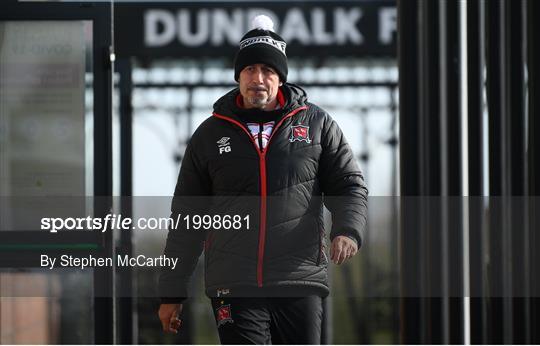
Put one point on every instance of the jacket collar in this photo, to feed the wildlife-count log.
(293, 97)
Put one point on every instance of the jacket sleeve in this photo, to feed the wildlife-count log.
(342, 183)
(185, 244)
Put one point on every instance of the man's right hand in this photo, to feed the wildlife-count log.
(169, 314)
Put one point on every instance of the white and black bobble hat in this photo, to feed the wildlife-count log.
(262, 45)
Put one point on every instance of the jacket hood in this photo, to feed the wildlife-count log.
(295, 97)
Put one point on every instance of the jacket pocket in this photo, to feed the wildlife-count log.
(322, 250)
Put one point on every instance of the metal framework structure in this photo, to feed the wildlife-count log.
(502, 269)
(100, 16)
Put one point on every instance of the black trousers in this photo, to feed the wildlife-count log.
(268, 320)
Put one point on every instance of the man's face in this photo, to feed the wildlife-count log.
(259, 85)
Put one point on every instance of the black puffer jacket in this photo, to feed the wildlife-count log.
(281, 188)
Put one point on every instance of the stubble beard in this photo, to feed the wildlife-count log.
(258, 102)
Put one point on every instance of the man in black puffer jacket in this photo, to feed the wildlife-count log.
(273, 159)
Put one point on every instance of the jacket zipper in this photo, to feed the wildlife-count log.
(262, 167)
(261, 128)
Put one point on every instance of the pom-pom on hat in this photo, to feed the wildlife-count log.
(261, 45)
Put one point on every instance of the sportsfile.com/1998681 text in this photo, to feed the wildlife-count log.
(119, 222)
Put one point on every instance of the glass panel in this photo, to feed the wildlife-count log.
(46, 111)
(43, 70)
(46, 149)
(57, 307)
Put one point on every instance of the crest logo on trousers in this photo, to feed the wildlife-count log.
(223, 315)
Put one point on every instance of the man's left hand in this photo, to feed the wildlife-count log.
(342, 249)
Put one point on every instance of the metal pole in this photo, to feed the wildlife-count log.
(533, 56)
(126, 329)
(499, 305)
(411, 315)
(364, 303)
(452, 171)
(103, 277)
(393, 142)
(476, 64)
(516, 125)
(431, 78)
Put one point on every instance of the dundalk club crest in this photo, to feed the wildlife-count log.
(223, 314)
(300, 133)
